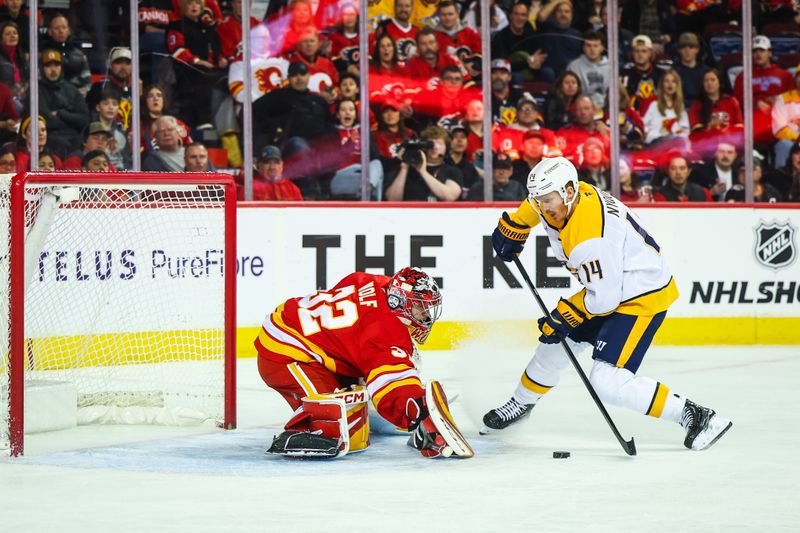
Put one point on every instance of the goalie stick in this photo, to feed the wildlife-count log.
(439, 412)
(628, 446)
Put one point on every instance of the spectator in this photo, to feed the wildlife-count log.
(504, 96)
(592, 67)
(95, 161)
(96, 136)
(631, 125)
(199, 65)
(473, 120)
(713, 115)
(504, 189)
(509, 139)
(556, 36)
(349, 87)
(301, 17)
(230, 32)
(641, 76)
(401, 30)
(388, 77)
(581, 128)
(560, 105)
(9, 116)
(169, 157)
(429, 179)
(324, 76)
(74, 64)
(533, 149)
(429, 63)
(8, 159)
(267, 72)
(517, 43)
(593, 167)
(391, 131)
(154, 17)
(346, 183)
(385, 60)
(666, 117)
(195, 158)
(47, 161)
(12, 11)
(119, 153)
(651, 18)
(14, 64)
(119, 77)
(443, 103)
(631, 188)
(689, 68)
(154, 104)
(678, 187)
(769, 81)
(62, 105)
(457, 157)
(717, 176)
(23, 155)
(762, 192)
(786, 179)
(343, 40)
(270, 184)
(455, 37)
(786, 121)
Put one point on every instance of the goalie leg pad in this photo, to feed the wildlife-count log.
(439, 413)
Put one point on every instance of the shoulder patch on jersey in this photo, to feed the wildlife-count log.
(399, 352)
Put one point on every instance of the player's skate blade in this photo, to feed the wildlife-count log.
(509, 413)
(703, 426)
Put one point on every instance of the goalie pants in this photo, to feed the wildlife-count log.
(295, 380)
(619, 344)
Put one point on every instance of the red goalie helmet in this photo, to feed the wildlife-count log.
(415, 298)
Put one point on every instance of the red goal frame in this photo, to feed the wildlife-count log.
(16, 390)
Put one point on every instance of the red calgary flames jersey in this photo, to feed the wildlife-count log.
(351, 331)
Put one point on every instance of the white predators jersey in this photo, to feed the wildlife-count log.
(606, 248)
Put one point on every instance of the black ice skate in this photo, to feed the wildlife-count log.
(703, 426)
(509, 413)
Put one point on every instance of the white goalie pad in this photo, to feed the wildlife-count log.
(439, 412)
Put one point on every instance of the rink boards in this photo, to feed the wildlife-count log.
(736, 267)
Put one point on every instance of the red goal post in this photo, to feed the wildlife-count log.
(119, 290)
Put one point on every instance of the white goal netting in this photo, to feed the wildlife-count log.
(124, 303)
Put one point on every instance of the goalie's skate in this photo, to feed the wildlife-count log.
(509, 413)
(703, 426)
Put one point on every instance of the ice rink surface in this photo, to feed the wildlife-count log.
(168, 479)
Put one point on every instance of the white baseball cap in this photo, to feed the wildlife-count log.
(761, 41)
(642, 40)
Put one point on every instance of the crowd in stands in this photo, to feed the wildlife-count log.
(680, 115)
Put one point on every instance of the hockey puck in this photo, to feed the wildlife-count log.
(560, 455)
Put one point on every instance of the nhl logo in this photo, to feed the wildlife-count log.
(775, 246)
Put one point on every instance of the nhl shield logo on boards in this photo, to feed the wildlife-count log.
(775, 244)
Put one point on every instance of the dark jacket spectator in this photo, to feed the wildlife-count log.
(678, 187)
(14, 11)
(14, 63)
(559, 108)
(74, 64)
(119, 77)
(504, 189)
(9, 116)
(62, 105)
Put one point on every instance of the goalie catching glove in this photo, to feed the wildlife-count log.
(560, 322)
(434, 432)
(508, 238)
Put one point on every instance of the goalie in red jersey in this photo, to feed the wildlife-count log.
(332, 351)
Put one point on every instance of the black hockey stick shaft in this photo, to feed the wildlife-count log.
(628, 446)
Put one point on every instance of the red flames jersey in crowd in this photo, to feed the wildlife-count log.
(427, 75)
(463, 43)
(230, 36)
(350, 142)
(344, 47)
(404, 38)
(572, 137)
(770, 81)
(323, 73)
(509, 139)
(351, 331)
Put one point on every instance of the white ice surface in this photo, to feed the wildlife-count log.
(143, 479)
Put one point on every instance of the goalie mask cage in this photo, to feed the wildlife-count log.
(118, 301)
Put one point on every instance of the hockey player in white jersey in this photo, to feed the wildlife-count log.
(627, 290)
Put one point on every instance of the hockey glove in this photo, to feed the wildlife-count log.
(425, 437)
(509, 238)
(560, 322)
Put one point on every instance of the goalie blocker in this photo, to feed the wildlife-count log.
(333, 425)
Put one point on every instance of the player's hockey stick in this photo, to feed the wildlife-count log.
(628, 446)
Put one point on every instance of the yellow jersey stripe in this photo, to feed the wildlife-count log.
(277, 319)
(301, 378)
(532, 386)
(284, 349)
(378, 396)
(386, 368)
(439, 393)
(658, 402)
(651, 303)
(637, 331)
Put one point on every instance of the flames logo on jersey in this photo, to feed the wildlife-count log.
(350, 55)
(269, 78)
(406, 48)
(319, 82)
(775, 246)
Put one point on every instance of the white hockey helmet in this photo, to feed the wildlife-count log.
(553, 174)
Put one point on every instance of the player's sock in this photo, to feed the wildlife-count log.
(703, 426)
(509, 413)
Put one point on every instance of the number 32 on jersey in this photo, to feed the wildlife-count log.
(328, 310)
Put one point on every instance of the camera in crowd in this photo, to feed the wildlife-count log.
(413, 151)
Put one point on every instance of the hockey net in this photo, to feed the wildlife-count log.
(117, 294)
